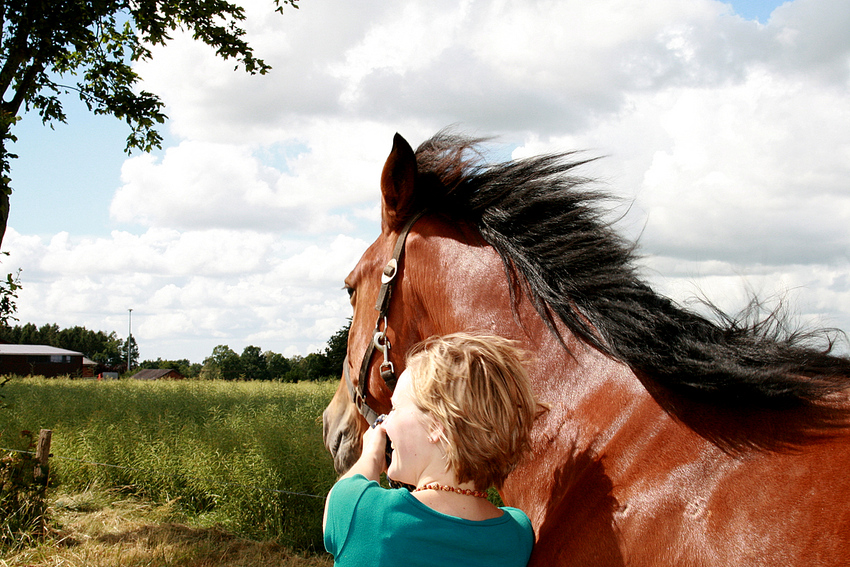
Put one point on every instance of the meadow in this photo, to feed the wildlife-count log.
(243, 457)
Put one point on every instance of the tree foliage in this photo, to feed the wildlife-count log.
(129, 353)
(225, 364)
(337, 348)
(222, 364)
(88, 47)
(8, 296)
(277, 365)
(254, 363)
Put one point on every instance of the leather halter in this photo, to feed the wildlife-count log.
(379, 340)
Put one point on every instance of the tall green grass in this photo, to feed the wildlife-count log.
(243, 455)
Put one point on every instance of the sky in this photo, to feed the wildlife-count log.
(723, 128)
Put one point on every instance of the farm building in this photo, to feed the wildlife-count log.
(158, 374)
(40, 360)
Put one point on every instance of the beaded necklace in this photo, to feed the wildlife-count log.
(464, 491)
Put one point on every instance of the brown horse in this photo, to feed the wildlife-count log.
(671, 439)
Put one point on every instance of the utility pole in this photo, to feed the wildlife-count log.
(129, 340)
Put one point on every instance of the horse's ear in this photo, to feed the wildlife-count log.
(398, 182)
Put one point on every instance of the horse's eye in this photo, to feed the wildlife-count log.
(350, 291)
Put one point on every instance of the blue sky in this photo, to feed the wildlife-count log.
(240, 230)
(759, 10)
(65, 176)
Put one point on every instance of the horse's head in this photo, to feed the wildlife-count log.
(343, 422)
(448, 279)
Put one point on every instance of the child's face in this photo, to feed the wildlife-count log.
(412, 433)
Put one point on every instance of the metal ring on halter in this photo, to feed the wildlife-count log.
(379, 420)
(378, 325)
(382, 343)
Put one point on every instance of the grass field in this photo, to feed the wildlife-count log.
(105, 528)
(243, 458)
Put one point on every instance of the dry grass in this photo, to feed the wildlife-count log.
(104, 529)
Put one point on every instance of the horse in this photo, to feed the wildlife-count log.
(672, 437)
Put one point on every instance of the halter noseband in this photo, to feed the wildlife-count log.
(379, 340)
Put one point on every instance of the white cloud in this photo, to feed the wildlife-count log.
(157, 251)
(190, 290)
(199, 185)
(746, 170)
(728, 140)
(289, 188)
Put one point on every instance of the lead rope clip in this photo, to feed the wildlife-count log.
(382, 343)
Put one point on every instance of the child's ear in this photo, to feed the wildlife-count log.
(436, 433)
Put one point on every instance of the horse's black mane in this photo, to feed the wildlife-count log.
(551, 234)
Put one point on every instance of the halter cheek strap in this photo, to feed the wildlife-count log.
(379, 340)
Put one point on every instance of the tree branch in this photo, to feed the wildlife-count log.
(18, 53)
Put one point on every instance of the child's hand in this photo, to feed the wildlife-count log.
(375, 445)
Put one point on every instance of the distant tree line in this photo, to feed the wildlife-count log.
(105, 349)
(108, 350)
(254, 364)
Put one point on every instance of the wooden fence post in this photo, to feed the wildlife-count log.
(42, 455)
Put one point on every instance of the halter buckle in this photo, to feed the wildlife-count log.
(390, 270)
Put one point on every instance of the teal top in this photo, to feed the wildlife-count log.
(368, 525)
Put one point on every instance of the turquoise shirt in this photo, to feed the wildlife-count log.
(368, 525)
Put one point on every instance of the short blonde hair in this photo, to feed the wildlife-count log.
(476, 387)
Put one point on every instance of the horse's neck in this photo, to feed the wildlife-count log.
(592, 398)
(585, 432)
